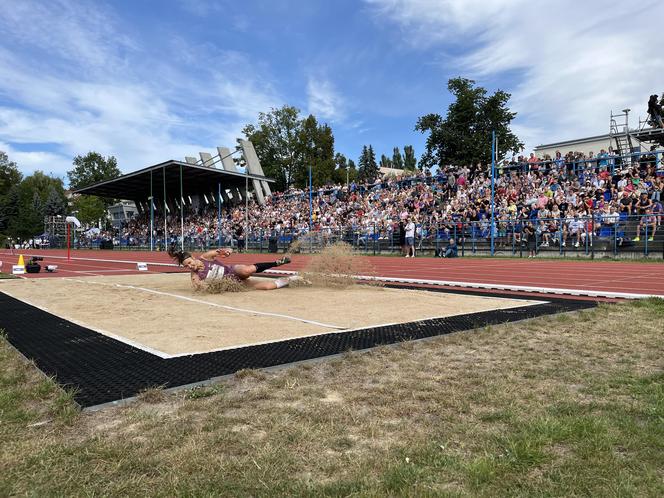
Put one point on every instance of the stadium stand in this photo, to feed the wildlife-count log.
(573, 202)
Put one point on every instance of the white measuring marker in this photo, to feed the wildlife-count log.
(18, 270)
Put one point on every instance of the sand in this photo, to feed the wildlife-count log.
(180, 321)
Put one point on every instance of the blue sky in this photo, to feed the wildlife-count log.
(148, 81)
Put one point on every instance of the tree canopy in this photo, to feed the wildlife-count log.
(463, 136)
(368, 168)
(409, 162)
(27, 203)
(9, 174)
(92, 168)
(287, 145)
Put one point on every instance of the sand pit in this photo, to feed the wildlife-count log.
(161, 313)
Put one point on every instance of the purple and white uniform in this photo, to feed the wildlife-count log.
(214, 270)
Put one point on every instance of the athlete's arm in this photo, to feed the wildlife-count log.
(224, 252)
(196, 281)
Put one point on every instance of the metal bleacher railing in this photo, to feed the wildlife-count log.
(601, 235)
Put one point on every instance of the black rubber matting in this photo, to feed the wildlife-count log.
(102, 369)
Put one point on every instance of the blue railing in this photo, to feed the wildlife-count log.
(607, 234)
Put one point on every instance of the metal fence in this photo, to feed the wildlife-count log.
(602, 235)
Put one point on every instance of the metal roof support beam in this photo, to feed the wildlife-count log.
(229, 165)
(206, 157)
(261, 189)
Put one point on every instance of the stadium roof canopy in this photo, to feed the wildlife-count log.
(195, 180)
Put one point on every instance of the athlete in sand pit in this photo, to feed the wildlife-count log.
(206, 268)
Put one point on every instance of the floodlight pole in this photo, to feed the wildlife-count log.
(151, 215)
(165, 208)
(311, 213)
(246, 207)
(493, 176)
(181, 213)
(219, 213)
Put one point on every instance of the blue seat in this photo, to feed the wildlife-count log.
(606, 232)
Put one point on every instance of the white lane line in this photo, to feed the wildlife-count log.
(200, 301)
(100, 260)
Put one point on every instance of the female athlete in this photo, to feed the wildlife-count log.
(206, 268)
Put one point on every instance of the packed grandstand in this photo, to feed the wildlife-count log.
(566, 201)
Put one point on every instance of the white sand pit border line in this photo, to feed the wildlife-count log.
(103, 332)
(215, 305)
(164, 355)
(359, 329)
(490, 286)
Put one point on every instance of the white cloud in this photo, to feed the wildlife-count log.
(29, 162)
(68, 32)
(84, 85)
(324, 101)
(575, 61)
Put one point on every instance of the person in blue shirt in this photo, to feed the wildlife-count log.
(451, 251)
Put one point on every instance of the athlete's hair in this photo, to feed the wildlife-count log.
(178, 256)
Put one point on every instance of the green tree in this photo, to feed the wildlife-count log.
(385, 162)
(410, 162)
(10, 178)
(92, 168)
(368, 169)
(31, 196)
(9, 174)
(287, 146)
(352, 171)
(363, 162)
(324, 165)
(464, 135)
(340, 168)
(315, 150)
(276, 140)
(397, 159)
(55, 203)
(9, 206)
(90, 209)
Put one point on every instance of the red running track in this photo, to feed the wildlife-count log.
(596, 276)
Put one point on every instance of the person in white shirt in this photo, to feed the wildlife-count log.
(575, 229)
(410, 238)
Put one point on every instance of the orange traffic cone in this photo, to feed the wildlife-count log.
(20, 261)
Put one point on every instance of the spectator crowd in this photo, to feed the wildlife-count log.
(565, 199)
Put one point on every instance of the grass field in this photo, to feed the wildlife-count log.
(6, 275)
(557, 406)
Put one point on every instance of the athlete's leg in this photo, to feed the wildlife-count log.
(268, 284)
(245, 271)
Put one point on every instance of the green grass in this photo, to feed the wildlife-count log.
(6, 275)
(549, 407)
